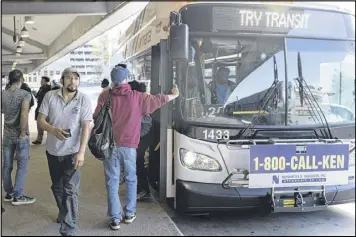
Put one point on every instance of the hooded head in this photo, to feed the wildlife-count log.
(119, 74)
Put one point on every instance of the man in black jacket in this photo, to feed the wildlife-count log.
(24, 86)
(45, 87)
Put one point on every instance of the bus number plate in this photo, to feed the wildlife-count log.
(216, 134)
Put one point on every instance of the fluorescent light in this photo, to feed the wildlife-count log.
(18, 49)
(24, 32)
(21, 42)
(29, 20)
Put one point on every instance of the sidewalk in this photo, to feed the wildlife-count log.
(39, 218)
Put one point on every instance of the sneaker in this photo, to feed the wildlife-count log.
(9, 197)
(143, 194)
(114, 225)
(23, 200)
(37, 142)
(130, 219)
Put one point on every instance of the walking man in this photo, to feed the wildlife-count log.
(128, 107)
(45, 87)
(66, 114)
(15, 106)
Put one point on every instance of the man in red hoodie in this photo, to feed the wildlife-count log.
(128, 107)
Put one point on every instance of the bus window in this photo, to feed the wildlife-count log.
(236, 77)
(328, 67)
(141, 70)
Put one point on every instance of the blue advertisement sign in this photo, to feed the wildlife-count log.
(294, 158)
(295, 165)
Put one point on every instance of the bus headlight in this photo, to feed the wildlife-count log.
(352, 158)
(196, 161)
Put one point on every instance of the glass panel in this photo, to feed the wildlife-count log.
(328, 68)
(237, 76)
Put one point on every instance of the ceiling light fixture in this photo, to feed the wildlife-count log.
(18, 49)
(21, 42)
(24, 32)
(29, 20)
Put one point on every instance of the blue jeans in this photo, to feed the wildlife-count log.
(112, 179)
(22, 149)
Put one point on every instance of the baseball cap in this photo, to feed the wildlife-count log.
(70, 70)
(119, 73)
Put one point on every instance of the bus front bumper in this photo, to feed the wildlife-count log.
(192, 197)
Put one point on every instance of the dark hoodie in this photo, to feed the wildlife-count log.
(128, 107)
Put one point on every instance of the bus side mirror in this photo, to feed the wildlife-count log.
(179, 42)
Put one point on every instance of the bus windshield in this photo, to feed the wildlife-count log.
(246, 77)
(328, 66)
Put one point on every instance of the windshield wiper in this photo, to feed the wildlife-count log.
(269, 96)
(312, 102)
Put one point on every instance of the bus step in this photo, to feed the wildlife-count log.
(297, 200)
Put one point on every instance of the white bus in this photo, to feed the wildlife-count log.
(275, 131)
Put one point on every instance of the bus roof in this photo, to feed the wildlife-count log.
(310, 5)
(152, 23)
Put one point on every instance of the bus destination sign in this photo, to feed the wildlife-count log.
(263, 20)
(249, 18)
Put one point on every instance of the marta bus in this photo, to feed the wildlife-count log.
(266, 115)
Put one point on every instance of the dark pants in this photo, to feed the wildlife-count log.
(65, 188)
(142, 181)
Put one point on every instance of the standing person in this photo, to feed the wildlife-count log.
(15, 106)
(66, 114)
(45, 87)
(128, 107)
(221, 88)
(105, 84)
(143, 190)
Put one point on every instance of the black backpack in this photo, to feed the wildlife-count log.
(102, 141)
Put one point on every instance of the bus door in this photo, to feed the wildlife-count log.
(161, 160)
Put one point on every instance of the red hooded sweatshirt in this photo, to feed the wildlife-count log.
(128, 107)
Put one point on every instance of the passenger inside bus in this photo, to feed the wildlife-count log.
(221, 88)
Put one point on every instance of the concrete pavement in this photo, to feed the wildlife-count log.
(39, 218)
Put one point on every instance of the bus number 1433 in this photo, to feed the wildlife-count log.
(216, 134)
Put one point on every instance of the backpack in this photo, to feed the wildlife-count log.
(102, 141)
